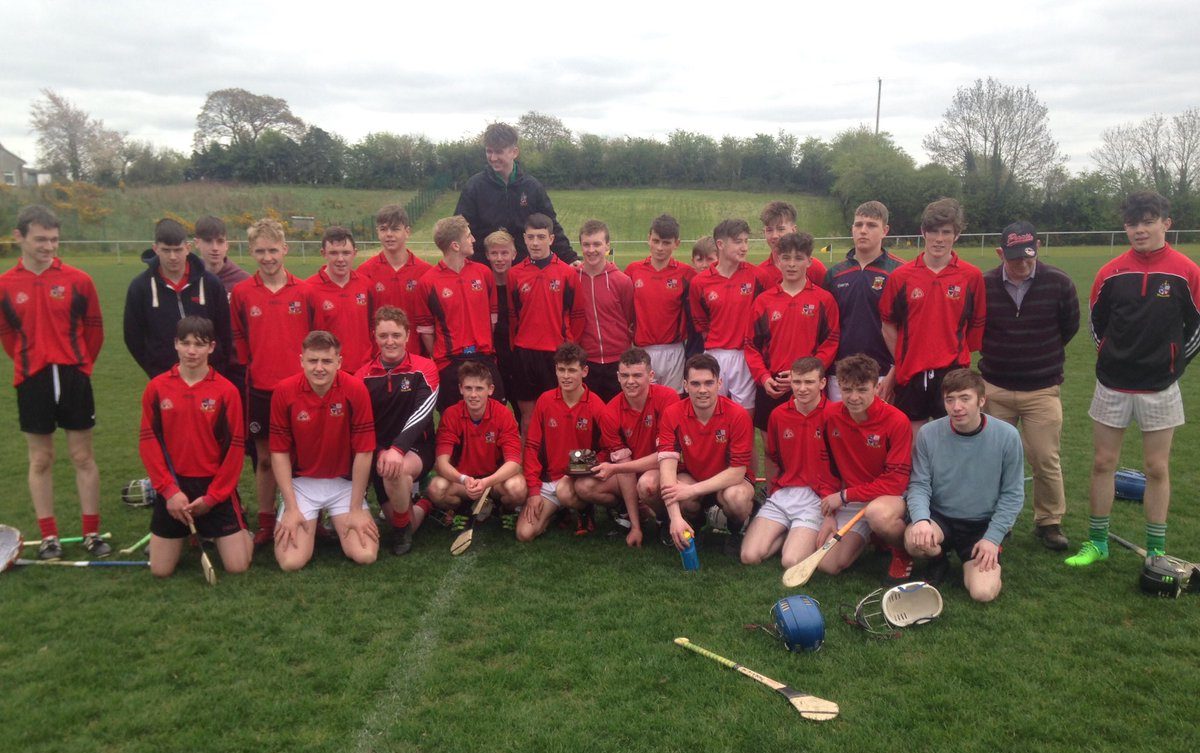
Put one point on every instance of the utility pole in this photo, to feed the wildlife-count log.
(878, 100)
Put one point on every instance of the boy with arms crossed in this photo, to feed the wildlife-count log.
(967, 487)
(660, 303)
(394, 271)
(342, 299)
(779, 219)
(192, 443)
(321, 447)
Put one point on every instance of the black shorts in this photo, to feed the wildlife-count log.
(535, 373)
(56, 396)
(764, 404)
(959, 535)
(224, 519)
(258, 414)
(921, 398)
(423, 450)
(448, 393)
(602, 379)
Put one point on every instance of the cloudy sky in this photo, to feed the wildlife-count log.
(613, 68)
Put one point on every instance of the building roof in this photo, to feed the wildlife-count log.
(14, 156)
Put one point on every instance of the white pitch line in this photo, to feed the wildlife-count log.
(414, 660)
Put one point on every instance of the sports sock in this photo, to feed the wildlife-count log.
(48, 527)
(91, 524)
(266, 521)
(1098, 531)
(425, 505)
(401, 519)
(1156, 537)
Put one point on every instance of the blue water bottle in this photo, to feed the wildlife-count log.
(688, 554)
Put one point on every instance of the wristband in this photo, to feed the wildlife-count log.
(462, 479)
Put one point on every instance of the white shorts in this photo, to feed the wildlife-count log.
(549, 493)
(316, 494)
(793, 507)
(849, 510)
(1153, 411)
(833, 391)
(736, 382)
(667, 362)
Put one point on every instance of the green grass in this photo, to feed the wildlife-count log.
(565, 644)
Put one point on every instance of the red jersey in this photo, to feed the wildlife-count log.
(199, 427)
(721, 305)
(815, 274)
(556, 428)
(396, 287)
(346, 312)
(939, 317)
(796, 444)
(785, 327)
(660, 302)
(458, 309)
(269, 328)
(49, 318)
(633, 433)
(540, 303)
(873, 458)
(705, 450)
(322, 433)
(478, 449)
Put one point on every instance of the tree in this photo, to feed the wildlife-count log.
(540, 131)
(1159, 153)
(73, 144)
(153, 166)
(236, 116)
(997, 131)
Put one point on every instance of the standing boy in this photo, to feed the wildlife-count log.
(500, 255)
(394, 271)
(212, 246)
(779, 219)
(603, 317)
(343, 299)
(660, 302)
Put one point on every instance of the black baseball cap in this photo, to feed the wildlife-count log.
(1019, 241)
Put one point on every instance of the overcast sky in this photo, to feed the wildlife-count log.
(446, 69)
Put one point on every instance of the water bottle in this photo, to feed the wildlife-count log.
(688, 554)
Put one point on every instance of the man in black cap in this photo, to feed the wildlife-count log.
(1032, 313)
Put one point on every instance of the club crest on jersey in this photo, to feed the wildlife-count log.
(410, 286)
(526, 287)
(255, 427)
(477, 285)
(721, 436)
(712, 295)
(57, 291)
(747, 288)
(294, 307)
(166, 404)
(447, 292)
(672, 283)
(22, 298)
(640, 283)
(954, 292)
(552, 423)
(555, 286)
(361, 299)
(788, 434)
(524, 199)
(379, 287)
(916, 293)
(873, 440)
(490, 437)
(255, 311)
(336, 409)
(327, 305)
(405, 384)
(581, 424)
(776, 315)
(208, 405)
(809, 309)
(877, 283)
(303, 416)
(1164, 289)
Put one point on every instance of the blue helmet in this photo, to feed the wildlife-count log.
(799, 623)
(1130, 484)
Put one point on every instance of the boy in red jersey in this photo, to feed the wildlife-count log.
(192, 442)
(342, 299)
(478, 447)
(321, 447)
(50, 326)
(870, 453)
(933, 310)
(779, 219)
(630, 476)
(660, 301)
(272, 314)
(790, 520)
(541, 291)
(721, 299)
(394, 271)
(566, 418)
(404, 390)
(456, 310)
(791, 320)
(604, 311)
(704, 448)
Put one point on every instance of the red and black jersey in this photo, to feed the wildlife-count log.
(322, 433)
(721, 305)
(873, 458)
(556, 428)
(637, 430)
(396, 287)
(660, 302)
(269, 328)
(346, 312)
(706, 449)
(403, 396)
(200, 429)
(458, 309)
(540, 304)
(816, 271)
(478, 449)
(785, 327)
(49, 318)
(796, 444)
(1145, 319)
(939, 317)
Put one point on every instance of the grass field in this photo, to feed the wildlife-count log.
(565, 644)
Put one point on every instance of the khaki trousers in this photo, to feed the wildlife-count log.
(1038, 415)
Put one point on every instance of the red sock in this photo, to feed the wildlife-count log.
(48, 526)
(91, 524)
(425, 505)
(266, 521)
(401, 519)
